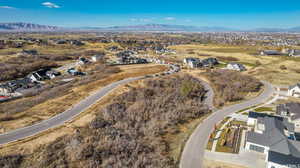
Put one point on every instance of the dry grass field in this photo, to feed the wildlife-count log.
(267, 68)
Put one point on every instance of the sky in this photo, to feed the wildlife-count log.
(241, 14)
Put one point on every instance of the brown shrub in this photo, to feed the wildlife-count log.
(283, 67)
(228, 59)
(10, 161)
(231, 86)
(129, 132)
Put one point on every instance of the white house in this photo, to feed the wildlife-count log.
(5, 90)
(236, 66)
(192, 62)
(294, 53)
(96, 58)
(294, 90)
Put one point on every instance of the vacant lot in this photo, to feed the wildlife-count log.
(269, 68)
(129, 132)
(231, 86)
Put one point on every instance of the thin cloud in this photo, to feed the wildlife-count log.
(7, 7)
(50, 5)
(140, 20)
(133, 19)
(169, 18)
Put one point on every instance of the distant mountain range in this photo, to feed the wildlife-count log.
(19, 26)
(294, 29)
(160, 28)
(135, 28)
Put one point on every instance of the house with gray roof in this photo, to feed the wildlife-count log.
(192, 62)
(274, 137)
(294, 53)
(236, 66)
(270, 52)
(291, 111)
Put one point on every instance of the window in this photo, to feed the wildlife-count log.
(257, 148)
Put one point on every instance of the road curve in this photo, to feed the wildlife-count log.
(193, 152)
(61, 118)
(71, 113)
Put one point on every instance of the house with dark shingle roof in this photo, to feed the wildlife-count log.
(291, 111)
(274, 137)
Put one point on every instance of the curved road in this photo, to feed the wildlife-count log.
(193, 152)
(61, 118)
(69, 114)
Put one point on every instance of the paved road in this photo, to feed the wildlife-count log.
(193, 152)
(62, 117)
(69, 114)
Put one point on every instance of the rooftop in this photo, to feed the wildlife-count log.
(276, 136)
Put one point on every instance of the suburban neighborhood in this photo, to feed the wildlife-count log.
(149, 84)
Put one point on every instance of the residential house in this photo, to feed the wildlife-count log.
(294, 53)
(61, 42)
(83, 60)
(291, 111)
(29, 52)
(39, 75)
(275, 138)
(192, 62)
(74, 72)
(126, 53)
(96, 58)
(76, 42)
(5, 89)
(236, 66)
(209, 62)
(131, 60)
(52, 74)
(270, 52)
(294, 90)
(11, 87)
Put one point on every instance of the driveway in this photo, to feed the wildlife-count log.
(193, 152)
(244, 158)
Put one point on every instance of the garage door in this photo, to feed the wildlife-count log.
(257, 148)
